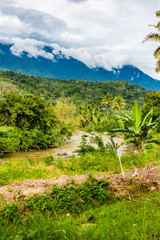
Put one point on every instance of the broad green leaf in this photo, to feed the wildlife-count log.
(136, 115)
(147, 118)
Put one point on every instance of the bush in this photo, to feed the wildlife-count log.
(18, 140)
(48, 160)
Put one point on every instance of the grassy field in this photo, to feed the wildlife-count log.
(88, 212)
(75, 215)
(49, 167)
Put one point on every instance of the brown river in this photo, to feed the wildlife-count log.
(69, 147)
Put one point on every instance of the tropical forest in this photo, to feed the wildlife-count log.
(79, 160)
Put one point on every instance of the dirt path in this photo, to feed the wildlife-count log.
(33, 187)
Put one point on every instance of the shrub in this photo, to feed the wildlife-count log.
(18, 140)
(48, 160)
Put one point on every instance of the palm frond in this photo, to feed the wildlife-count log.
(158, 13)
(156, 26)
(158, 66)
(152, 37)
(157, 53)
(112, 145)
(153, 125)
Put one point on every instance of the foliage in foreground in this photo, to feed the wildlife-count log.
(69, 198)
(89, 211)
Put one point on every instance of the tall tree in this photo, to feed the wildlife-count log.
(152, 100)
(27, 112)
(155, 37)
(106, 100)
(118, 103)
(66, 113)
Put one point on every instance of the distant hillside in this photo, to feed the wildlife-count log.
(67, 68)
(79, 91)
(7, 86)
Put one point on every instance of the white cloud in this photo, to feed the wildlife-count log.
(77, 1)
(105, 33)
(32, 47)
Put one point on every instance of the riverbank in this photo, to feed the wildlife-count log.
(68, 147)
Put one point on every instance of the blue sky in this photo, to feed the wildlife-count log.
(106, 33)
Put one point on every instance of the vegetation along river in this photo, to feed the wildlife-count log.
(69, 147)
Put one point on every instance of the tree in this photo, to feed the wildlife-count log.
(66, 113)
(118, 103)
(106, 100)
(86, 114)
(152, 100)
(27, 112)
(155, 37)
(131, 104)
(136, 130)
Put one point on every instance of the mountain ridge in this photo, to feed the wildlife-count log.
(70, 68)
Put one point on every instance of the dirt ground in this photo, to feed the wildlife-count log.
(32, 187)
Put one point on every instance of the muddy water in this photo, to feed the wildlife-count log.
(69, 147)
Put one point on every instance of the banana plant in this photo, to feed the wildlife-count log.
(136, 130)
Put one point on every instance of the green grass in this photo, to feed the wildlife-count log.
(86, 212)
(13, 171)
(49, 167)
(116, 218)
(3, 128)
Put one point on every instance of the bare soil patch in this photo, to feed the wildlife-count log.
(33, 187)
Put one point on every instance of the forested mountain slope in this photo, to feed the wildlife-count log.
(79, 91)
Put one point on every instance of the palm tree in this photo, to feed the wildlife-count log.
(118, 103)
(86, 114)
(155, 37)
(106, 100)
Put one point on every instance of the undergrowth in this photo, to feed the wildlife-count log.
(86, 212)
(94, 163)
(71, 197)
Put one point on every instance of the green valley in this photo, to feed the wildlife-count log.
(83, 195)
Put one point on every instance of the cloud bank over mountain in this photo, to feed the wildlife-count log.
(104, 33)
